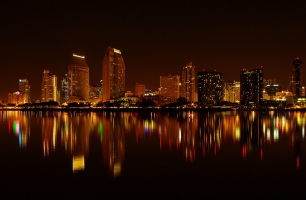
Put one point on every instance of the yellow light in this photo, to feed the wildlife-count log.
(78, 56)
(78, 163)
(117, 51)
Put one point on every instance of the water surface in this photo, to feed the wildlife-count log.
(242, 155)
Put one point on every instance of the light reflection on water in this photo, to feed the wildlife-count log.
(259, 137)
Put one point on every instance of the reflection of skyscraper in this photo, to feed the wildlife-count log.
(210, 87)
(251, 87)
(25, 88)
(48, 87)
(113, 74)
(113, 145)
(297, 76)
(188, 82)
(78, 79)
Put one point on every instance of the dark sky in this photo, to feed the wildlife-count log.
(155, 38)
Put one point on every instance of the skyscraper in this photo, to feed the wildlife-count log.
(64, 90)
(210, 87)
(251, 87)
(48, 87)
(297, 76)
(113, 75)
(188, 82)
(78, 79)
(25, 88)
(170, 88)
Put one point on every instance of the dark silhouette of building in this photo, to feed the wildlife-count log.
(297, 76)
(271, 87)
(251, 87)
(210, 87)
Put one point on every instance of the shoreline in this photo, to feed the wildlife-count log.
(126, 109)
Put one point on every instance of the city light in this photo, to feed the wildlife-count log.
(78, 56)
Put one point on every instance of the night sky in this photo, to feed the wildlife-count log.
(155, 38)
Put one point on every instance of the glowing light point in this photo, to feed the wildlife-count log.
(75, 55)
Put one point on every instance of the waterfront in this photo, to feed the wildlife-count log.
(171, 154)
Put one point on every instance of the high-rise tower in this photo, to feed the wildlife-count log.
(25, 88)
(48, 87)
(113, 75)
(78, 79)
(251, 87)
(188, 82)
(297, 76)
(210, 87)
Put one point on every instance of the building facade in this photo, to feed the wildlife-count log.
(297, 76)
(48, 87)
(271, 87)
(210, 87)
(169, 88)
(78, 79)
(140, 90)
(188, 82)
(232, 91)
(113, 75)
(17, 98)
(251, 87)
(64, 90)
(24, 87)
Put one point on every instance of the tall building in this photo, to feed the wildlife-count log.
(170, 88)
(297, 76)
(210, 87)
(188, 82)
(251, 87)
(140, 90)
(78, 79)
(232, 91)
(271, 87)
(48, 87)
(64, 90)
(25, 88)
(94, 93)
(16, 98)
(113, 75)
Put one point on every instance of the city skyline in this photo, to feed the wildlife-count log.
(157, 38)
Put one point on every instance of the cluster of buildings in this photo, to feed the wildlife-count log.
(202, 88)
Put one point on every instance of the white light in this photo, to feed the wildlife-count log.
(78, 56)
(117, 51)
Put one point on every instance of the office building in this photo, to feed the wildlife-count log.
(78, 79)
(210, 87)
(113, 75)
(251, 87)
(169, 88)
(48, 87)
(188, 82)
(297, 76)
(24, 87)
(140, 90)
(232, 91)
(17, 98)
(64, 90)
(271, 87)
